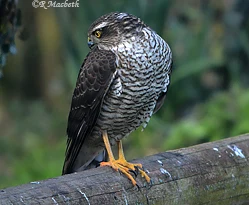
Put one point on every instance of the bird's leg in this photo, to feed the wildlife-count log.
(121, 164)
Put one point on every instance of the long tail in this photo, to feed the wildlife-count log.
(88, 157)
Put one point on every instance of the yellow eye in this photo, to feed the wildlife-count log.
(98, 34)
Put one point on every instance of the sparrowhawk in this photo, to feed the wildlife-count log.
(122, 82)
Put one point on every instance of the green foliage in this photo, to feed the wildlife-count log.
(218, 118)
(207, 99)
(31, 150)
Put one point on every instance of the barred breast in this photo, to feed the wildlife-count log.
(142, 75)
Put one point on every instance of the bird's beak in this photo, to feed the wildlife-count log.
(89, 42)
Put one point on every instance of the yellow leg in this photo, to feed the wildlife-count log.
(121, 164)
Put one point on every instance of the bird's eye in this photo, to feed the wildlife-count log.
(98, 34)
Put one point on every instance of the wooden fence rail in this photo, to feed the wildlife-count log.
(210, 173)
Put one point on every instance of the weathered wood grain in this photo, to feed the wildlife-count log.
(210, 173)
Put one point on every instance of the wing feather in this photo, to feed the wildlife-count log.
(95, 76)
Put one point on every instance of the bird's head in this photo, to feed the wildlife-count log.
(110, 29)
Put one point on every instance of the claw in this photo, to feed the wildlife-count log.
(121, 164)
(135, 172)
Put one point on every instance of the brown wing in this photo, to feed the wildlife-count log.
(94, 79)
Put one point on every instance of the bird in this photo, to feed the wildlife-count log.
(122, 82)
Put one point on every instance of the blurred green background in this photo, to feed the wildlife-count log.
(208, 98)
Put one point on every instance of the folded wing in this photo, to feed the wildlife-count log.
(94, 79)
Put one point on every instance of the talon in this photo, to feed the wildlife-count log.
(121, 164)
(134, 172)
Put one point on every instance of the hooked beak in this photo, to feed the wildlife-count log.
(89, 42)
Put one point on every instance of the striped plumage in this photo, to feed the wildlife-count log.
(122, 82)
